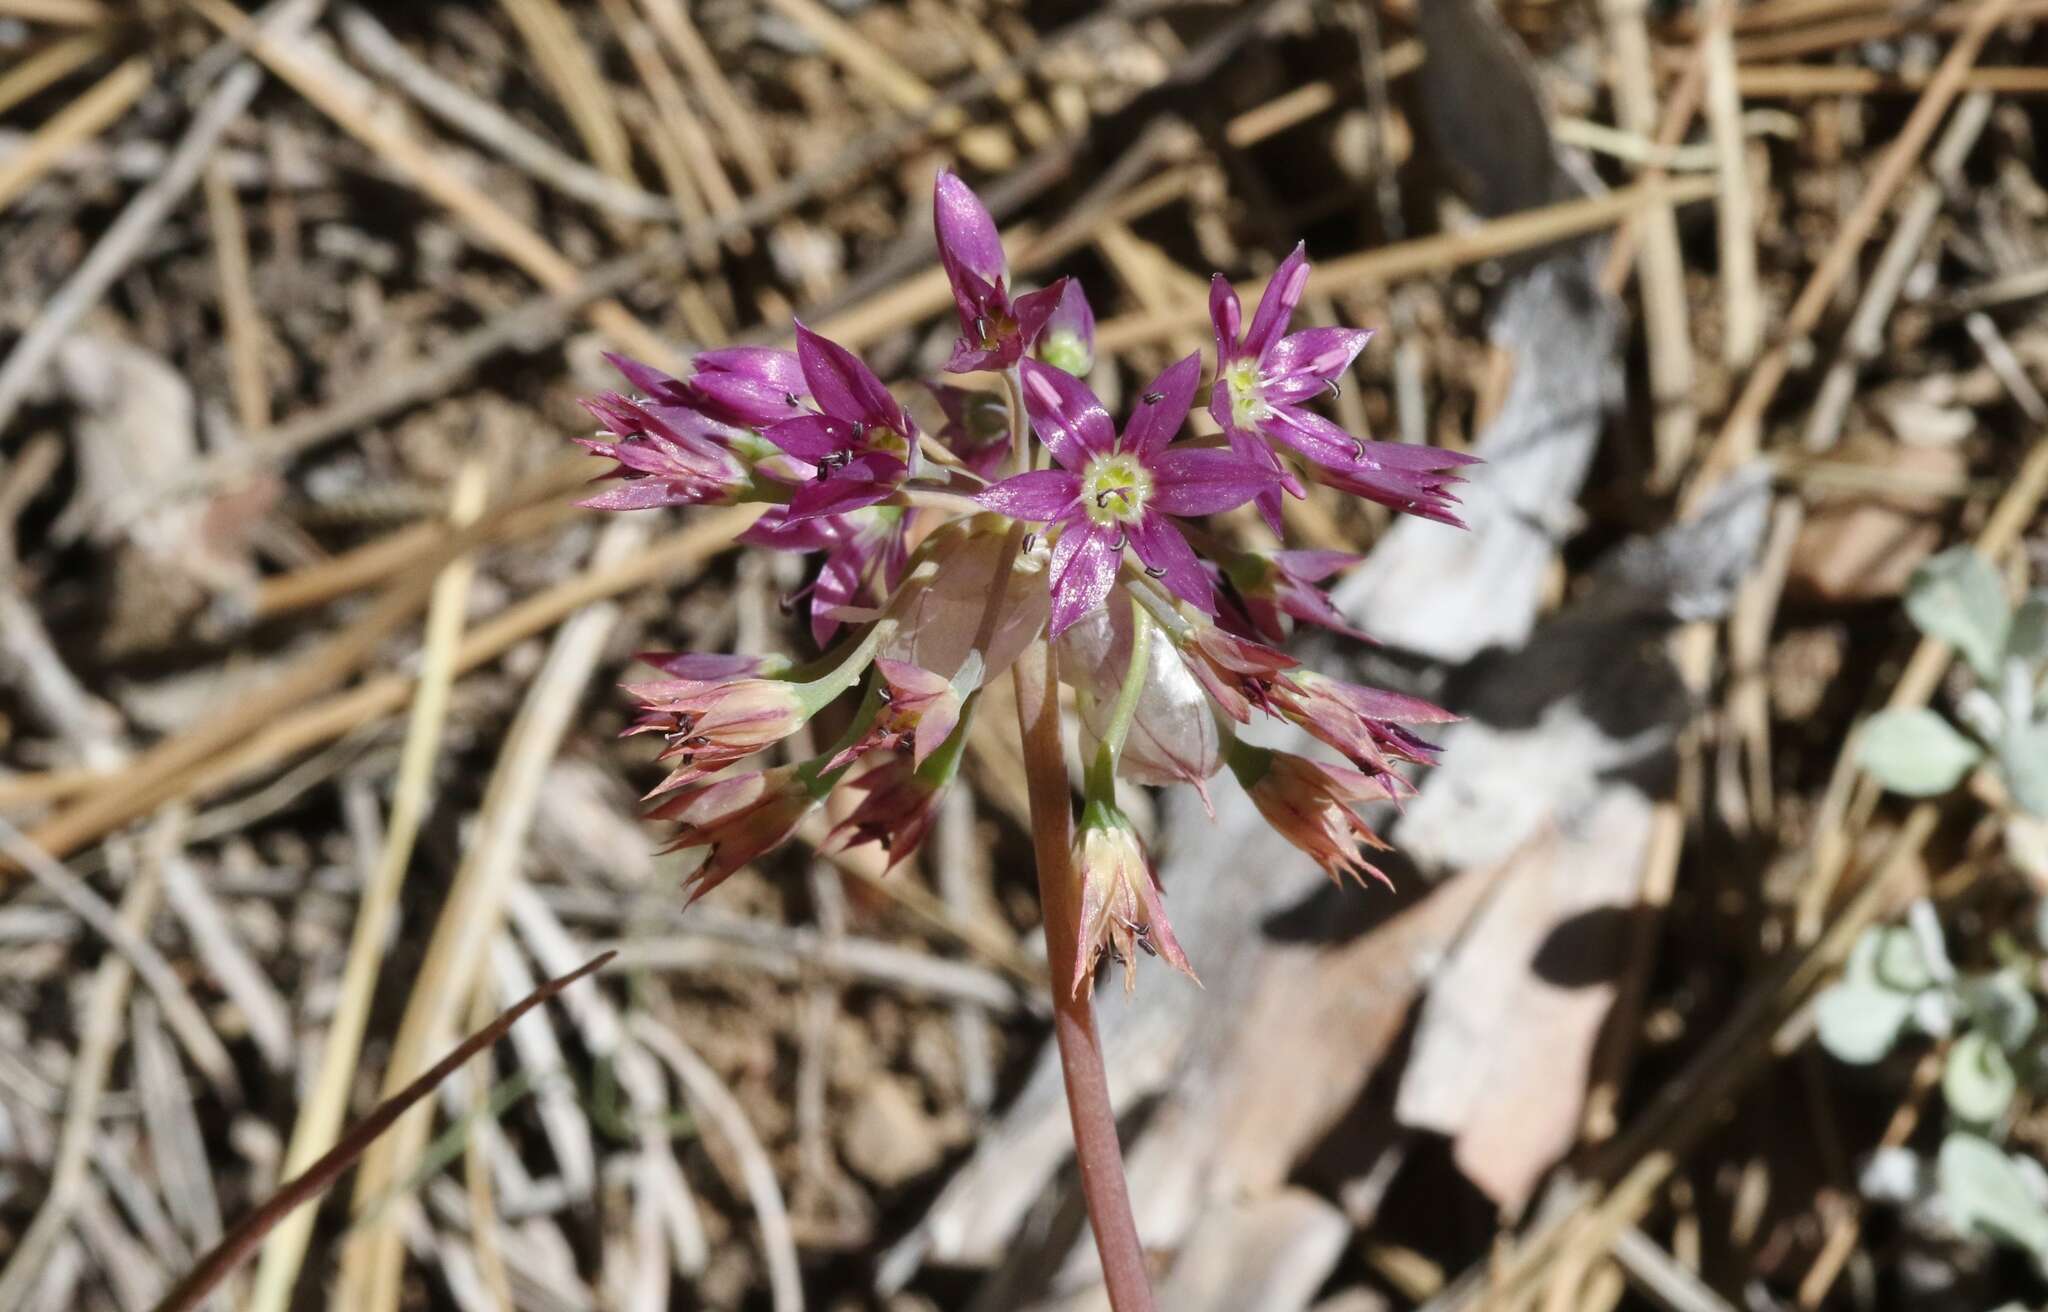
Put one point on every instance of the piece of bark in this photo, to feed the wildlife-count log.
(1503, 1045)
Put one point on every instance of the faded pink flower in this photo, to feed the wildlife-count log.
(1121, 909)
(1309, 804)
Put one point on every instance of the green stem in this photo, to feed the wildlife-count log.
(823, 690)
(1102, 773)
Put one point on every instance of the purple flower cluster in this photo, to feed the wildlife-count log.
(1029, 515)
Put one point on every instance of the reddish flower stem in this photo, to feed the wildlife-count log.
(1073, 1024)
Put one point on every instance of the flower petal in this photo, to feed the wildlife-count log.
(645, 378)
(1084, 565)
(812, 437)
(1322, 352)
(1065, 415)
(1226, 316)
(1199, 480)
(1153, 424)
(966, 234)
(844, 387)
(1041, 495)
(1315, 437)
(1276, 307)
(777, 531)
(1170, 559)
(1034, 310)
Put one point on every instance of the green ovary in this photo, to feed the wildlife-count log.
(1114, 488)
(1247, 405)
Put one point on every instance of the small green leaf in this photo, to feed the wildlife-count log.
(1957, 597)
(2024, 761)
(1915, 752)
(1900, 964)
(1986, 1193)
(1859, 1022)
(1978, 1081)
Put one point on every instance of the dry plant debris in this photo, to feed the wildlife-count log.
(308, 712)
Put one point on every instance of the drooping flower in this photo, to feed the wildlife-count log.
(707, 724)
(861, 441)
(1068, 340)
(1359, 721)
(918, 707)
(864, 558)
(1309, 804)
(1115, 490)
(1121, 908)
(1264, 380)
(739, 819)
(1271, 584)
(995, 329)
(900, 805)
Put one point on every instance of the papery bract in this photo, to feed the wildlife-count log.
(941, 608)
(1176, 734)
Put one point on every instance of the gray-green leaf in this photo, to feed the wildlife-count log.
(1859, 1022)
(1915, 752)
(2027, 641)
(2024, 760)
(1986, 1193)
(1957, 597)
(1900, 964)
(2003, 1007)
(1978, 1081)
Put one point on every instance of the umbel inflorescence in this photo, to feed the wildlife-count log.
(1031, 513)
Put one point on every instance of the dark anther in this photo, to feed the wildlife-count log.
(1030, 542)
(1335, 390)
(792, 400)
(1154, 398)
(1358, 448)
(1122, 540)
(700, 740)
(1152, 572)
